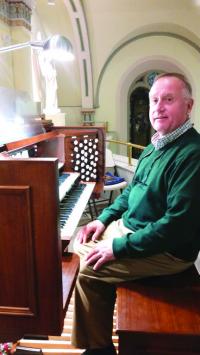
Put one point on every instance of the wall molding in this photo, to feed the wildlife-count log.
(137, 38)
(77, 16)
(16, 13)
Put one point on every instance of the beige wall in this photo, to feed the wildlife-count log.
(114, 21)
(112, 24)
(50, 20)
(15, 65)
(139, 57)
(21, 61)
(6, 69)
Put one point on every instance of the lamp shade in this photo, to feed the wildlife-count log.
(58, 47)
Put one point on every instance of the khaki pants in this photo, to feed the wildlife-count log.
(95, 291)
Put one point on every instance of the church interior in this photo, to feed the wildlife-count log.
(55, 110)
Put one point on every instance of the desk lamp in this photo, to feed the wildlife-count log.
(57, 47)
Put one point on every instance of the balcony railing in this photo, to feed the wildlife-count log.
(130, 147)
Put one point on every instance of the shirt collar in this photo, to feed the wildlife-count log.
(160, 142)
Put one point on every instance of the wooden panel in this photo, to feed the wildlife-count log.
(37, 216)
(55, 149)
(27, 142)
(81, 133)
(35, 282)
(17, 252)
(160, 315)
(70, 267)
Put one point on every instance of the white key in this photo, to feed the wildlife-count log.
(66, 185)
(69, 228)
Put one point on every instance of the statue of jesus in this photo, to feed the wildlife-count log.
(48, 71)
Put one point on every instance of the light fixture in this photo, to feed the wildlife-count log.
(56, 47)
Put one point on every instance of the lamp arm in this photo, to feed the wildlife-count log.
(37, 44)
(13, 47)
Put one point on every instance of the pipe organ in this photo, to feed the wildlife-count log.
(45, 184)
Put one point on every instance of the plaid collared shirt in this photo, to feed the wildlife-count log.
(160, 142)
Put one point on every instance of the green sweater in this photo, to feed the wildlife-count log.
(162, 204)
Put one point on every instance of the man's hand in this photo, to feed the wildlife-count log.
(101, 254)
(92, 230)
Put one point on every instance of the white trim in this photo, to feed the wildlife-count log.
(83, 51)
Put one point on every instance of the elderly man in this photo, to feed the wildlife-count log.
(153, 228)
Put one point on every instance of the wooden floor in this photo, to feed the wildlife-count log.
(61, 344)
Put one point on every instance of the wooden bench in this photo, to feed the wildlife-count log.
(160, 315)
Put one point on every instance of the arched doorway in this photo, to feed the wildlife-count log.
(140, 128)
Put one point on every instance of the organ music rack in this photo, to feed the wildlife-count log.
(36, 280)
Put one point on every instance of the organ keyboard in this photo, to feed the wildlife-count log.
(45, 184)
(77, 200)
(66, 180)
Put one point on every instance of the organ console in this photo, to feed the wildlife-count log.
(45, 184)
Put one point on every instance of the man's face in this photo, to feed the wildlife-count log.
(169, 105)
